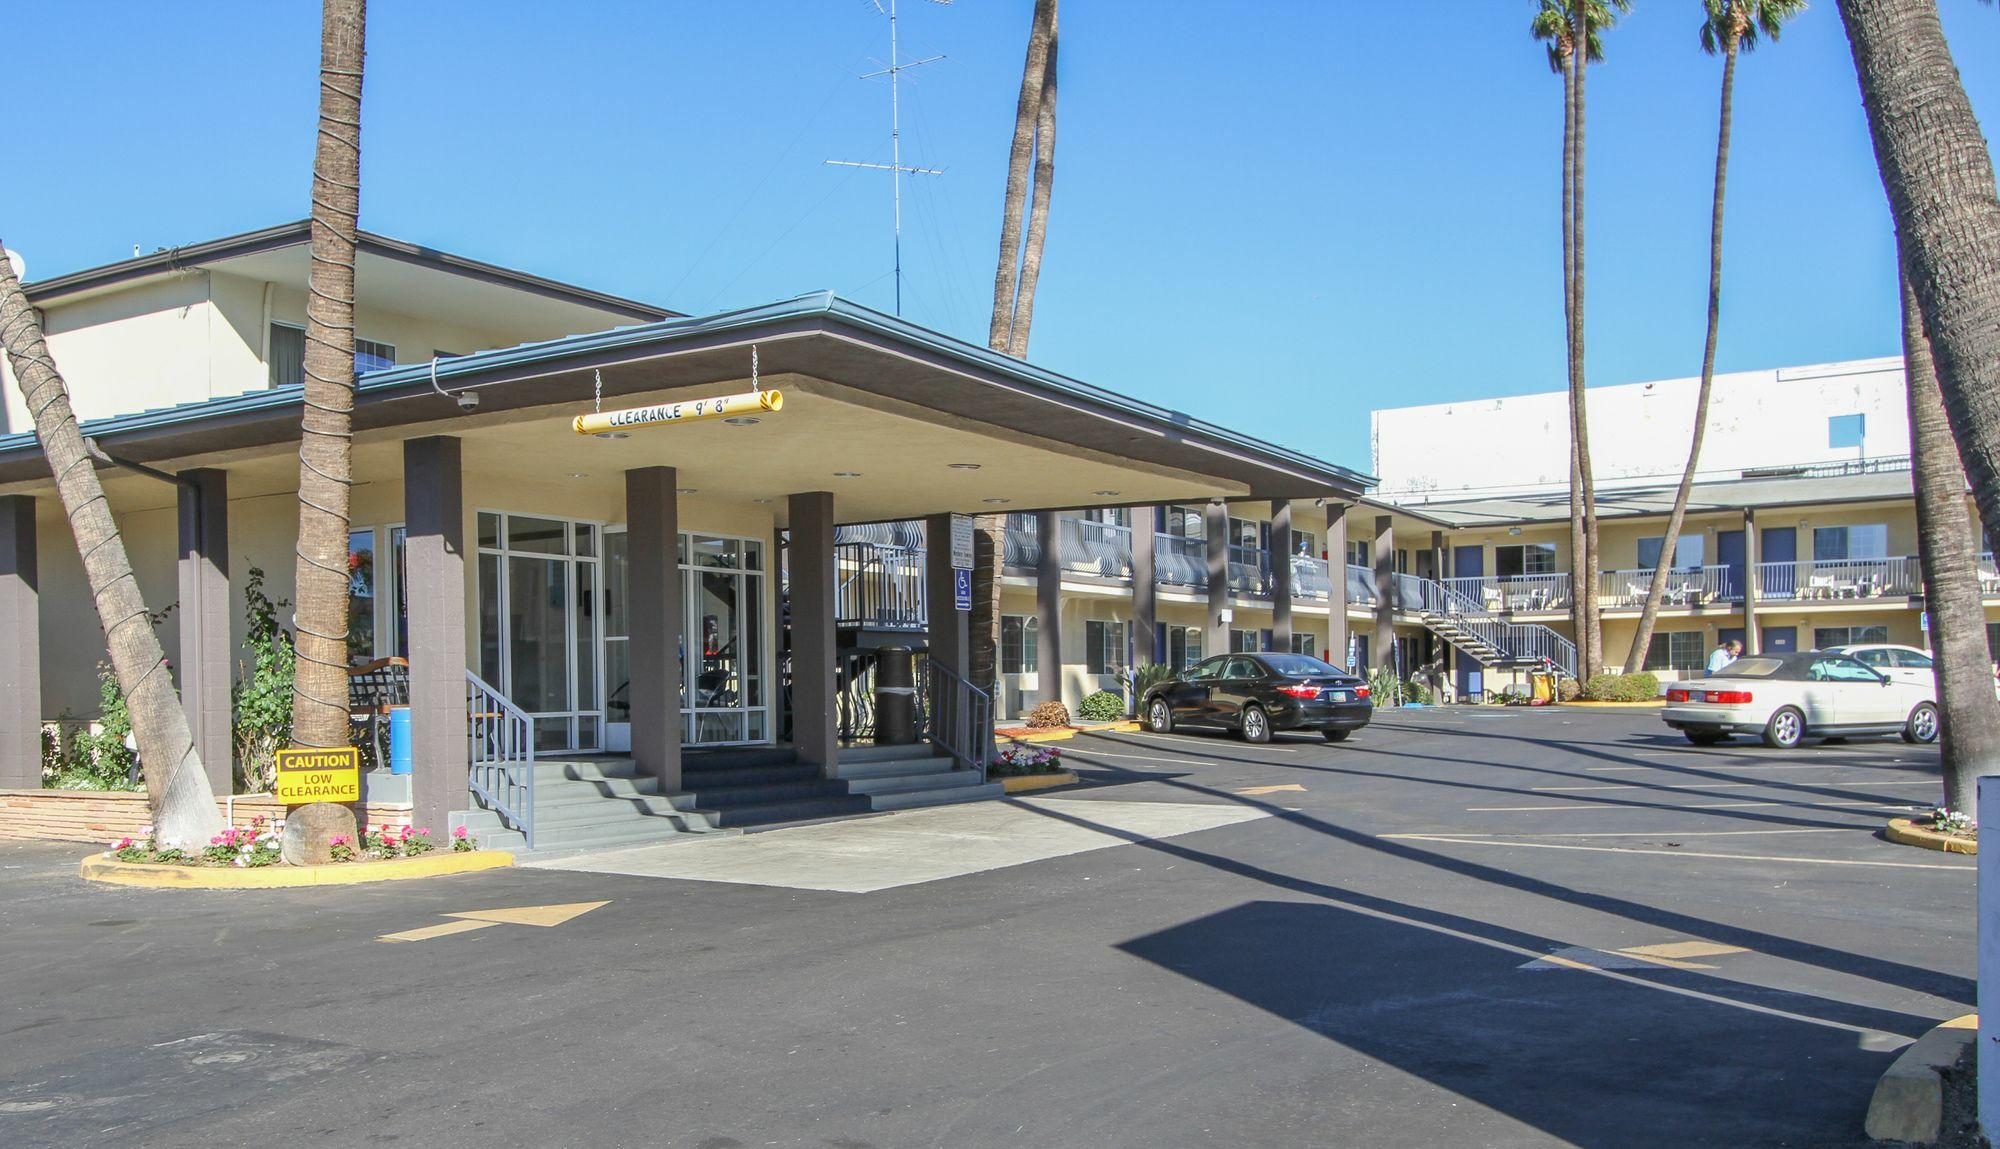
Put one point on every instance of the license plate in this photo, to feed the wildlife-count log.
(1339, 696)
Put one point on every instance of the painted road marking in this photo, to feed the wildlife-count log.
(1682, 951)
(1272, 789)
(1725, 785)
(1459, 841)
(1756, 766)
(1139, 757)
(544, 916)
(1673, 834)
(1182, 740)
(1581, 805)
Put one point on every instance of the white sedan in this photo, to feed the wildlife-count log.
(1785, 699)
(1902, 663)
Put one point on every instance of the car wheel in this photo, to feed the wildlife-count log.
(1160, 717)
(1705, 737)
(1923, 724)
(1786, 729)
(1336, 735)
(1256, 724)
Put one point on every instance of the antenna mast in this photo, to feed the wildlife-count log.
(895, 166)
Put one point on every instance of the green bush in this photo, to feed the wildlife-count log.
(262, 698)
(1417, 691)
(1567, 689)
(1641, 687)
(1153, 674)
(1102, 706)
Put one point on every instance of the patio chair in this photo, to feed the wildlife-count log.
(1820, 586)
(1989, 580)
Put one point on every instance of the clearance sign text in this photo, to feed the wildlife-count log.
(319, 775)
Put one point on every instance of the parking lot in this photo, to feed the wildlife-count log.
(1461, 927)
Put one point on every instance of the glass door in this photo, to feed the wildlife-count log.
(538, 623)
(617, 644)
(723, 581)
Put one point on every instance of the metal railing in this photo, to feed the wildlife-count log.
(1843, 578)
(1180, 561)
(1686, 586)
(502, 739)
(1249, 570)
(956, 716)
(1499, 594)
(881, 585)
(1361, 586)
(1310, 579)
(1465, 621)
(1023, 542)
(1096, 549)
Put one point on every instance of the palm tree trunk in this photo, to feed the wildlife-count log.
(1579, 614)
(1038, 201)
(1635, 660)
(177, 788)
(1006, 275)
(1971, 731)
(1939, 178)
(1592, 620)
(319, 691)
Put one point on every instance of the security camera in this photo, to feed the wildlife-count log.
(467, 400)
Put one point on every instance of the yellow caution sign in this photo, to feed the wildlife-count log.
(726, 406)
(308, 775)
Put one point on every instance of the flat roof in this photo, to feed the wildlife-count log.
(1754, 492)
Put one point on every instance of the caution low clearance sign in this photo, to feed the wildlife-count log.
(306, 775)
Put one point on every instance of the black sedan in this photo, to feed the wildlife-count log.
(1255, 694)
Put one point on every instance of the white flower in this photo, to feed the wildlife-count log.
(242, 862)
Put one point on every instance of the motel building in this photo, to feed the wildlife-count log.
(615, 634)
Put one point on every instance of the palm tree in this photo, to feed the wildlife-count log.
(1038, 200)
(319, 691)
(1939, 178)
(177, 788)
(1027, 110)
(1561, 24)
(1728, 26)
(1971, 728)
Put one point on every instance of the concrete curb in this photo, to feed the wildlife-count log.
(1064, 735)
(1656, 703)
(1907, 833)
(1908, 1104)
(1021, 783)
(100, 868)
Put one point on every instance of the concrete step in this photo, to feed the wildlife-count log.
(889, 767)
(711, 778)
(583, 769)
(725, 797)
(739, 758)
(913, 799)
(800, 810)
(570, 792)
(512, 841)
(914, 783)
(608, 811)
(872, 753)
(573, 839)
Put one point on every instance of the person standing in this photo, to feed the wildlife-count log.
(1723, 655)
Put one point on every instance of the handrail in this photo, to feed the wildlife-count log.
(1448, 603)
(1180, 561)
(882, 586)
(502, 743)
(957, 718)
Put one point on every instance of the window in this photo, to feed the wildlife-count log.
(1305, 543)
(1879, 659)
(1245, 642)
(1183, 646)
(1829, 636)
(1241, 668)
(1306, 644)
(1104, 647)
(372, 356)
(1840, 670)
(1843, 544)
(1019, 635)
(1846, 430)
(1911, 660)
(1679, 650)
(1361, 554)
(1184, 522)
(287, 357)
(1514, 561)
(361, 586)
(1244, 533)
(1687, 552)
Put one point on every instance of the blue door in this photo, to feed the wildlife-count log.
(1778, 556)
(1779, 639)
(1729, 552)
(1468, 562)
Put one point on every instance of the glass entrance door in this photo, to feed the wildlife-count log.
(538, 623)
(617, 644)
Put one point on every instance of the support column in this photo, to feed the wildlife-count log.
(1145, 590)
(1281, 575)
(434, 555)
(1215, 635)
(1384, 652)
(1751, 644)
(950, 637)
(20, 647)
(815, 720)
(1336, 577)
(656, 647)
(1437, 557)
(1048, 608)
(204, 620)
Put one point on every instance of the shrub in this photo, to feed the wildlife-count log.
(1416, 690)
(1384, 688)
(262, 698)
(1641, 687)
(1153, 674)
(1103, 706)
(1568, 690)
(1049, 715)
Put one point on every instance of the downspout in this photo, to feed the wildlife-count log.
(264, 333)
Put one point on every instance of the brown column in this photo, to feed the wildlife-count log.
(434, 513)
(815, 722)
(1048, 608)
(1145, 590)
(204, 620)
(950, 644)
(1336, 575)
(1215, 638)
(1437, 557)
(20, 647)
(1281, 575)
(1751, 645)
(1384, 645)
(652, 545)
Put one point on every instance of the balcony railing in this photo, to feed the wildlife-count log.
(1849, 578)
(1096, 549)
(1686, 586)
(1180, 561)
(1496, 594)
(1361, 586)
(1310, 580)
(1023, 542)
(1249, 570)
(879, 586)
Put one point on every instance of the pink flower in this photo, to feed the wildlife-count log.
(425, 832)
(458, 833)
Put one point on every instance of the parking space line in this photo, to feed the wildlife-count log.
(1680, 833)
(1459, 841)
(1182, 740)
(1725, 766)
(1137, 757)
(1929, 782)
(1582, 805)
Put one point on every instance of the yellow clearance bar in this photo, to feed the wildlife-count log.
(722, 408)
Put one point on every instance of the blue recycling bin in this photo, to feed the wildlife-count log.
(399, 740)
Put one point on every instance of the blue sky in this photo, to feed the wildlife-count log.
(1270, 214)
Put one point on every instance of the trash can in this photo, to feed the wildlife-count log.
(895, 697)
(399, 740)
(1541, 687)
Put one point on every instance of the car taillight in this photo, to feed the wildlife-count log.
(1677, 696)
(1729, 697)
(1360, 692)
(1300, 691)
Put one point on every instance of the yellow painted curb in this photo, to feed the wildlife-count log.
(1908, 833)
(1020, 783)
(100, 868)
(1064, 735)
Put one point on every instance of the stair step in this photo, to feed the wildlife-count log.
(512, 841)
(918, 798)
(566, 791)
(593, 838)
(708, 777)
(891, 767)
(724, 797)
(608, 810)
(583, 769)
(914, 783)
(736, 758)
(800, 810)
(872, 753)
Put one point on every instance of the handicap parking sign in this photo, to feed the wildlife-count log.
(961, 589)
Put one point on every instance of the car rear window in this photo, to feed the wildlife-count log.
(1295, 665)
(1752, 667)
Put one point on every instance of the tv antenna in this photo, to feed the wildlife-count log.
(895, 166)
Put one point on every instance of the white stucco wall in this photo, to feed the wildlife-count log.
(1641, 431)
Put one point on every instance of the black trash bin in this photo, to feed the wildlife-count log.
(895, 697)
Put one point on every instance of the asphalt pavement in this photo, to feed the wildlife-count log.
(1464, 927)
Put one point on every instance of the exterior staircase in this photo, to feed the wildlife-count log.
(1479, 632)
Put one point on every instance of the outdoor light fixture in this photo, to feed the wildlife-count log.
(1513, 530)
(684, 490)
(1108, 494)
(743, 420)
(847, 474)
(761, 502)
(963, 466)
(996, 501)
(578, 475)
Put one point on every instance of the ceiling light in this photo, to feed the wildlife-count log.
(743, 420)
(614, 435)
(578, 475)
(762, 502)
(685, 490)
(997, 500)
(847, 474)
(1108, 494)
(963, 466)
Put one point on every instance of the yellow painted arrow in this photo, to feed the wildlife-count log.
(1271, 789)
(482, 919)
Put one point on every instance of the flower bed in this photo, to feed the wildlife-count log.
(261, 844)
(1021, 759)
